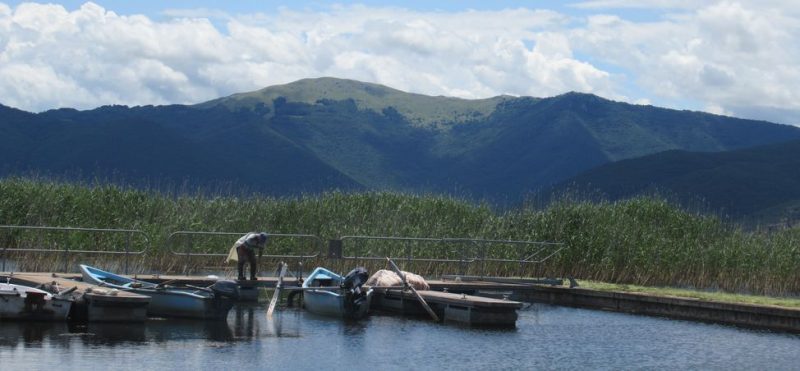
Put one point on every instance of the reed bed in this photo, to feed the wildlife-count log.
(643, 241)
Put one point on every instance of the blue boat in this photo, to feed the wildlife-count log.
(165, 301)
(330, 294)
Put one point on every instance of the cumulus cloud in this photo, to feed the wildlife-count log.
(735, 58)
(90, 56)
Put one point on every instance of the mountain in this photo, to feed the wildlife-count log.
(761, 182)
(417, 109)
(164, 147)
(320, 134)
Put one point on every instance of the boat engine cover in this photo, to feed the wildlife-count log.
(355, 279)
(226, 288)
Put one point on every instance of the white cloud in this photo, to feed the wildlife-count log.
(92, 56)
(635, 4)
(725, 55)
(730, 57)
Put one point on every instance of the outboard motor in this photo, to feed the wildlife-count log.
(355, 279)
(226, 288)
(351, 285)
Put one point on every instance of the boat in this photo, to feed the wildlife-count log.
(330, 294)
(211, 302)
(25, 302)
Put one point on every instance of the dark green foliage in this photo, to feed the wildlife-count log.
(762, 183)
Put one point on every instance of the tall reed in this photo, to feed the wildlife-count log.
(644, 240)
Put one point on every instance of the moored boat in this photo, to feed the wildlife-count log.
(24, 302)
(212, 302)
(330, 294)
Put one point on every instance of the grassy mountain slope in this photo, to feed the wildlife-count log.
(420, 110)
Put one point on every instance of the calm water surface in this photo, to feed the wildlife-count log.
(546, 337)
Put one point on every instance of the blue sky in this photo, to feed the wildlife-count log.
(736, 58)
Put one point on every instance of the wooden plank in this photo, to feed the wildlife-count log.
(459, 299)
(35, 279)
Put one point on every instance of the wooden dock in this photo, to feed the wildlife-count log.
(460, 308)
(748, 315)
(92, 303)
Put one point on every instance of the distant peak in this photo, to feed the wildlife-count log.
(575, 94)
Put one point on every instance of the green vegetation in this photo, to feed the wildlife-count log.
(420, 110)
(693, 294)
(760, 182)
(643, 241)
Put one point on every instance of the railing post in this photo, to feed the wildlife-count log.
(127, 248)
(66, 256)
(462, 253)
(5, 251)
(186, 257)
(334, 249)
(408, 253)
(482, 250)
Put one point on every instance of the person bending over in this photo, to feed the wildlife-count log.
(245, 250)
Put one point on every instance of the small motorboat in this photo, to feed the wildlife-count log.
(330, 294)
(24, 302)
(211, 302)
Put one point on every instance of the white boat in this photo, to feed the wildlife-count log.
(330, 294)
(195, 302)
(24, 302)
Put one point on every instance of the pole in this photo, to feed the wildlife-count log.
(413, 290)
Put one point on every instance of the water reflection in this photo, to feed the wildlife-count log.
(546, 337)
(244, 323)
(29, 334)
(250, 322)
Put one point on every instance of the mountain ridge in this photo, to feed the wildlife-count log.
(322, 134)
(761, 182)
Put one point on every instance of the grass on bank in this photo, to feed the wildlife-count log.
(722, 297)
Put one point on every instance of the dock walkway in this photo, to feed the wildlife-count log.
(747, 315)
(92, 303)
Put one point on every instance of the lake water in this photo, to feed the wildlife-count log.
(546, 337)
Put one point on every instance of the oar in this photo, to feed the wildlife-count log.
(277, 293)
(419, 297)
(163, 284)
(67, 291)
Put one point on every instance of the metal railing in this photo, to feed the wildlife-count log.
(190, 244)
(471, 251)
(462, 251)
(66, 250)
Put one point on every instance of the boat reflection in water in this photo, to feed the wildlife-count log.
(30, 334)
(248, 340)
(250, 322)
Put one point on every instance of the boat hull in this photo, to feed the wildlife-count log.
(330, 303)
(323, 295)
(26, 303)
(165, 302)
(105, 308)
